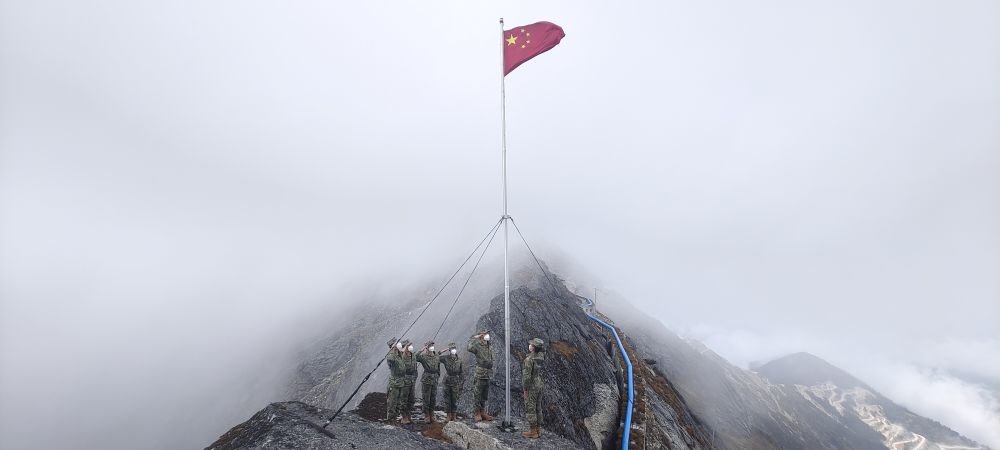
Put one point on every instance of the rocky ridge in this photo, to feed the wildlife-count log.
(686, 396)
(584, 376)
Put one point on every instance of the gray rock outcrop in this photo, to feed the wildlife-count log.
(486, 436)
(603, 423)
(296, 425)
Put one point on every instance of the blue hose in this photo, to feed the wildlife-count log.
(628, 363)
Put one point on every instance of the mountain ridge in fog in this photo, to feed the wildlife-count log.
(727, 407)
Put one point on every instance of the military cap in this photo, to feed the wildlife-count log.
(391, 342)
(537, 342)
(452, 345)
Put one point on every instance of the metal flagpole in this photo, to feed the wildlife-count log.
(506, 272)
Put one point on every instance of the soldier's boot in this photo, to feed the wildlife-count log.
(533, 433)
(486, 416)
(406, 420)
(477, 415)
(451, 416)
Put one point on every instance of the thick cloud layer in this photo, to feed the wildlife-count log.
(183, 182)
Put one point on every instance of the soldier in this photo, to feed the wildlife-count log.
(453, 380)
(431, 360)
(396, 374)
(531, 380)
(409, 379)
(479, 345)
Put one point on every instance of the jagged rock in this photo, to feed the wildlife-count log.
(296, 425)
(604, 422)
(486, 436)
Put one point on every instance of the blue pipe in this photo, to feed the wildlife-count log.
(628, 363)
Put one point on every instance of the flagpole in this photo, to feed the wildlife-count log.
(506, 271)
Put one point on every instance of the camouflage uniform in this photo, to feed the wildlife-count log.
(531, 379)
(396, 374)
(409, 381)
(483, 373)
(429, 381)
(453, 381)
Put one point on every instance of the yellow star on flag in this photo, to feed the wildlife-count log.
(523, 43)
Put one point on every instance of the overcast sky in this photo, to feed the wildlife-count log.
(180, 181)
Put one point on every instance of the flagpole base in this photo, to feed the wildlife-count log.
(507, 427)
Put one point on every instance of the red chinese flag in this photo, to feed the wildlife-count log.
(529, 41)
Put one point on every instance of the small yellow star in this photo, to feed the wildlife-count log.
(522, 30)
(522, 46)
(527, 42)
(512, 40)
(528, 34)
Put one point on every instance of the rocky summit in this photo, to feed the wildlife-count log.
(300, 426)
(685, 395)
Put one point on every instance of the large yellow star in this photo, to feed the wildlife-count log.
(512, 40)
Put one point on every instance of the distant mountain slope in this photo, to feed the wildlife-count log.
(844, 396)
(770, 410)
(807, 369)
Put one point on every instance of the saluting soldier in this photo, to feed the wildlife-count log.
(409, 380)
(479, 345)
(453, 379)
(431, 360)
(531, 379)
(396, 374)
